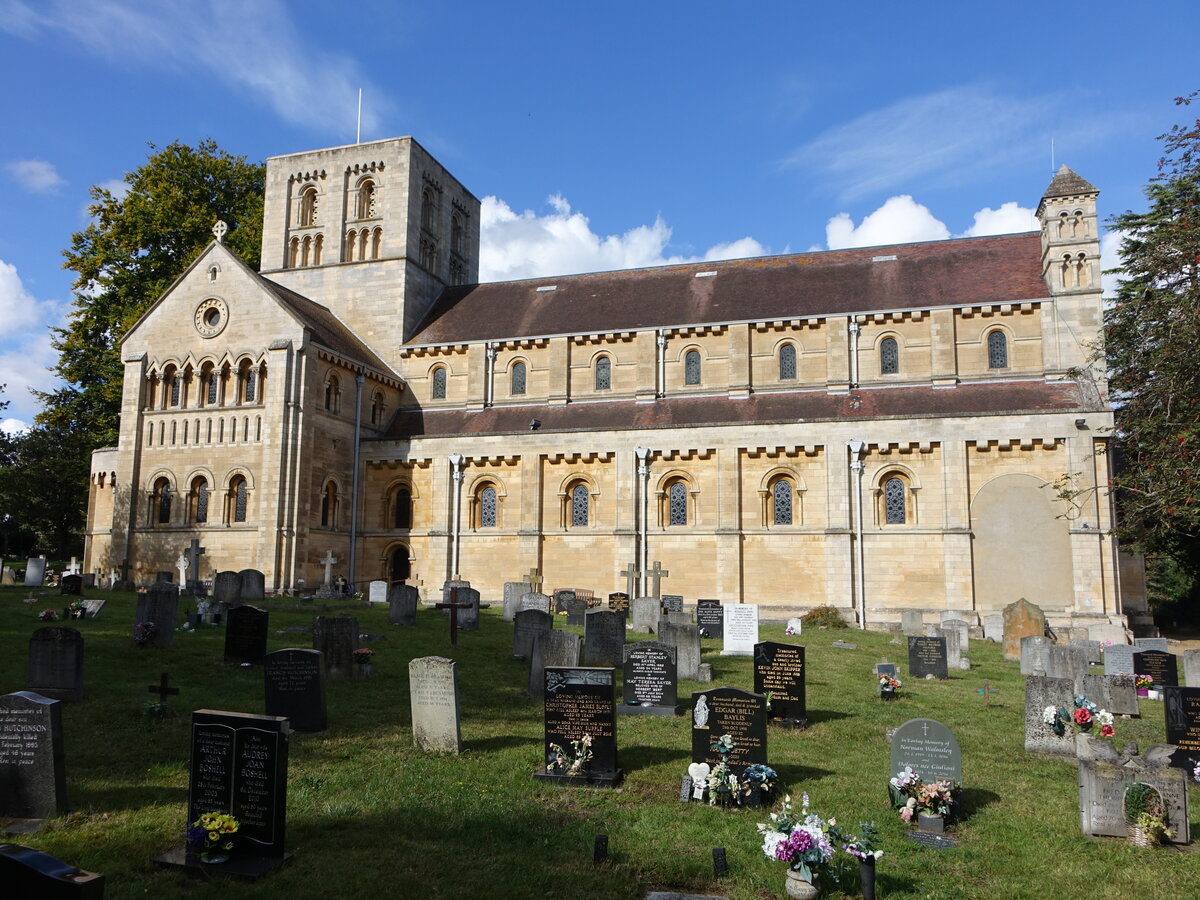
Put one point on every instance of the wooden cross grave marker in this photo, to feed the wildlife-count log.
(454, 606)
(162, 690)
(987, 692)
(535, 580)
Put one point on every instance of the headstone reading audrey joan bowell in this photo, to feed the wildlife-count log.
(56, 663)
(927, 656)
(740, 714)
(648, 679)
(741, 629)
(579, 702)
(433, 692)
(246, 632)
(294, 688)
(779, 669)
(33, 780)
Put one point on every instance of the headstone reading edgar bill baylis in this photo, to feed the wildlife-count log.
(1182, 709)
(294, 688)
(741, 629)
(710, 617)
(930, 748)
(648, 679)
(927, 656)
(433, 691)
(603, 638)
(246, 632)
(579, 701)
(239, 765)
(337, 639)
(1021, 619)
(551, 648)
(527, 625)
(33, 779)
(56, 663)
(402, 604)
(1106, 774)
(1042, 691)
(159, 605)
(740, 714)
(779, 669)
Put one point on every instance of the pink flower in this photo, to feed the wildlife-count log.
(1082, 717)
(1107, 731)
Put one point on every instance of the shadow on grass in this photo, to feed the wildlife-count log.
(975, 799)
(826, 715)
(125, 797)
(499, 742)
(795, 775)
(644, 757)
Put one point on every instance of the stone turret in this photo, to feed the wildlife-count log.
(1070, 234)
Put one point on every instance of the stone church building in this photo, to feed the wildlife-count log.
(876, 429)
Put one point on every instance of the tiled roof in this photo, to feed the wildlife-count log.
(1068, 183)
(1003, 269)
(994, 398)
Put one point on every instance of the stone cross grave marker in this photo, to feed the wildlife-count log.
(56, 663)
(454, 606)
(535, 580)
(580, 701)
(328, 562)
(433, 689)
(656, 575)
(193, 553)
(294, 688)
(631, 575)
(163, 688)
(33, 780)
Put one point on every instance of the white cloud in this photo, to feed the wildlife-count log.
(900, 220)
(27, 355)
(742, 248)
(1110, 258)
(18, 309)
(251, 47)
(35, 175)
(13, 426)
(1010, 218)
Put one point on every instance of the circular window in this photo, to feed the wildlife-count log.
(211, 316)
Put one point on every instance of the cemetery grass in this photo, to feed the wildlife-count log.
(368, 815)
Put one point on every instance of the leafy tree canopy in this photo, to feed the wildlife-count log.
(1151, 344)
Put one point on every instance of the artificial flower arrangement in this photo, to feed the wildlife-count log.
(212, 833)
(807, 843)
(76, 609)
(887, 682)
(582, 749)
(1144, 810)
(144, 632)
(363, 655)
(1084, 717)
(865, 845)
(1196, 772)
(790, 630)
(913, 796)
(1143, 682)
(48, 615)
(724, 786)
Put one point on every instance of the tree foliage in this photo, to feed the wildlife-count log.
(1151, 335)
(43, 492)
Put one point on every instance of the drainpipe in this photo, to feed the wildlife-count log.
(854, 329)
(456, 461)
(489, 377)
(643, 471)
(662, 364)
(857, 574)
(358, 391)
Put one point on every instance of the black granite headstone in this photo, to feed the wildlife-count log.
(927, 656)
(71, 586)
(560, 600)
(779, 668)
(337, 639)
(33, 780)
(740, 714)
(619, 601)
(239, 766)
(711, 617)
(253, 585)
(56, 663)
(603, 637)
(672, 603)
(294, 687)
(648, 679)
(158, 605)
(580, 701)
(1182, 709)
(26, 872)
(246, 630)
(1161, 666)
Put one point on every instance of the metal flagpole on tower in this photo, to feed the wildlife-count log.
(358, 133)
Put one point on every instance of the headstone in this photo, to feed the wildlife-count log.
(686, 641)
(227, 588)
(1042, 691)
(91, 608)
(619, 601)
(927, 656)
(468, 617)
(9, 576)
(527, 625)
(993, 628)
(534, 600)
(402, 604)
(35, 571)
(1096, 689)
(779, 670)
(252, 584)
(239, 765)
(1151, 643)
(377, 592)
(1105, 775)
(645, 614)
(246, 631)
(1161, 666)
(433, 688)
(741, 629)
(580, 702)
(26, 872)
(33, 781)
(1191, 667)
(56, 663)
(337, 639)
(159, 605)
(294, 688)
(1122, 695)
(1118, 659)
(649, 680)
(964, 632)
(672, 603)
(677, 618)
(70, 586)
(1093, 648)
(1021, 619)
(795, 625)
(513, 592)
(953, 638)
(740, 714)
(576, 608)
(604, 638)
(1067, 661)
(553, 648)
(1182, 709)
(1107, 633)
(165, 575)
(561, 598)
(711, 617)
(930, 748)
(912, 622)
(1035, 654)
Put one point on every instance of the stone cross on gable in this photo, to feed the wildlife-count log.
(219, 231)
(657, 574)
(328, 562)
(193, 553)
(535, 580)
(630, 575)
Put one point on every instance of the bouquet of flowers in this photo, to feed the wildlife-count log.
(1084, 717)
(363, 655)
(912, 796)
(726, 789)
(1143, 682)
(212, 833)
(887, 682)
(48, 615)
(804, 841)
(865, 845)
(582, 749)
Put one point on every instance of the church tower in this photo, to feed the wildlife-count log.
(373, 231)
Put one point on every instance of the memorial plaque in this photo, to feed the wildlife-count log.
(649, 680)
(1162, 667)
(239, 766)
(580, 701)
(1182, 708)
(159, 605)
(740, 714)
(402, 605)
(711, 617)
(91, 608)
(930, 748)
(618, 601)
(337, 639)
(294, 688)
(741, 629)
(246, 629)
(927, 656)
(35, 572)
(779, 669)
(603, 638)
(56, 663)
(433, 690)
(1118, 659)
(253, 585)
(527, 625)
(33, 780)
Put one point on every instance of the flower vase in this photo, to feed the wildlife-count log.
(887, 693)
(799, 887)
(1143, 692)
(215, 858)
(866, 877)
(930, 823)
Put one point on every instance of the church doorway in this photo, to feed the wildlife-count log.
(399, 565)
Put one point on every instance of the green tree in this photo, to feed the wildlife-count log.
(1150, 342)
(43, 485)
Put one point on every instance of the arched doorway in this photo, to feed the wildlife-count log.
(399, 564)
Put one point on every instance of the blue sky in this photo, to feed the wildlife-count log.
(599, 136)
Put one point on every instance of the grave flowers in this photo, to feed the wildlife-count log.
(144, 632)
(1084, 717)
(582, 748)
(915, 798)
(887, 687)
(726, 789)
(47, 615)
(212, 836)
(864, 847)
(363, 658)
(75, 609)
(1143, 683)
(1145, 815)
(803, 840)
